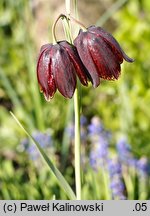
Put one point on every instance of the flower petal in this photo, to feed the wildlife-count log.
(63, 71)
(45, 46)
(111, 41)
(78, 65)
(51, 82)
(105, 60)
(81, 43)
(44, 75)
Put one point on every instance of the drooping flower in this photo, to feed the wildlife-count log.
(57, 68)
(100, 53)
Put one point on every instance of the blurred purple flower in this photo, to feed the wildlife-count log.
(143, 167)
(70, 131)
(98, 154)
(123, 146)
(83, 130)
(95, 128)
(117, 188)
(114, 167)
(117, 185)
(83, 120)
(124, 152)
(44, 139)
(99, 143)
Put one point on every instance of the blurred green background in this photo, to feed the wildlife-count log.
(122, 106)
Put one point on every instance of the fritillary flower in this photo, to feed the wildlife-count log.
(57, 68)
(100, 53)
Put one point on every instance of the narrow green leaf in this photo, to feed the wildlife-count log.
(9, 88)
(61, 180)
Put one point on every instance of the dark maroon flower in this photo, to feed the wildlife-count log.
(100, 53)
(57, 68)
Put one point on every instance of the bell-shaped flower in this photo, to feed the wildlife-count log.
(100, 53)
(57, 68)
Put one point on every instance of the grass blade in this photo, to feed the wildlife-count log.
(61, 180)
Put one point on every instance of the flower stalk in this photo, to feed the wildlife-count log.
(77, 144)
(77, 22)
(77, 148)
(61, 16)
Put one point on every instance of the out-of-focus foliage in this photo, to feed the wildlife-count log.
(123, 105)
(134, 88)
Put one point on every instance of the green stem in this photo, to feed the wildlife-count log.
(77, 119)
(68, 6)
(54, 27)
(75, 5)
(77, 22)
(77, 145)
(77, 131)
